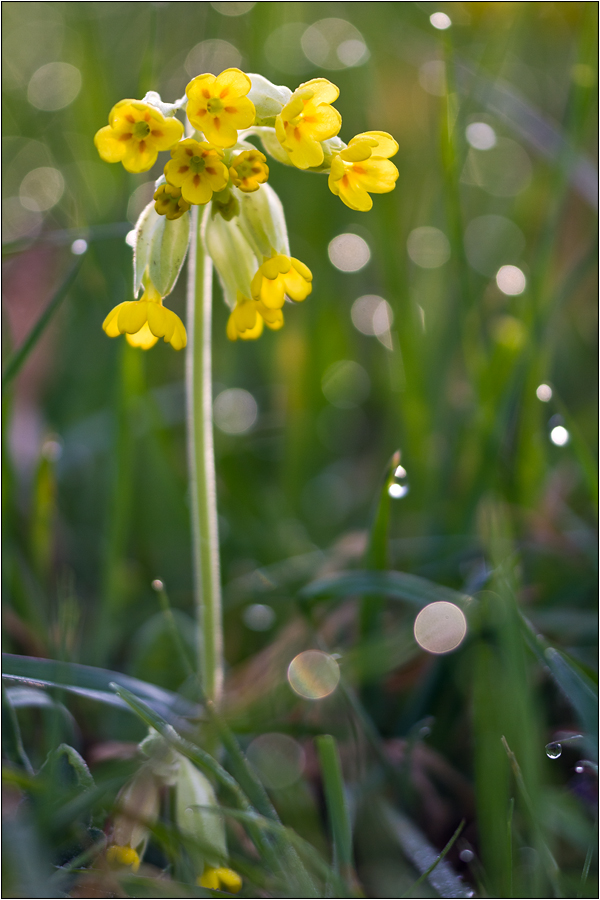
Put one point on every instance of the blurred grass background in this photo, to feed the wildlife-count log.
(94, 470)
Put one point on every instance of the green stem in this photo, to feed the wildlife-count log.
(203, 495)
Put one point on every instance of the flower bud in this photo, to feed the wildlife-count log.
(232, 255)
(138, 805)
(168, 250)
(262, 221)
(145, 226)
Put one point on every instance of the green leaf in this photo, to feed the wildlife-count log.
(91, 682)
(337, 806)
(20, 356)
(395, 585)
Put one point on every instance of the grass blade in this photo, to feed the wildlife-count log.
(337, 806)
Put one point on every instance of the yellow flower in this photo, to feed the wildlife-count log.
(169, 201)
(307, 120)
(117, 856)
(219, 106)
(220, 879)
(249, 317)
(364, 168)
(249, 170)
(146, 320)
(135, 134)
(278, 276)
(198, 169)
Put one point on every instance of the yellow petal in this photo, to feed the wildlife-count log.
(144, 339)
(252, 334)
(300, 267)
(234, 83)
(158, 319)
(108, 146)
(386, 145)
(133, 316)
(196, 189)
(323, 90)
(139, 156)
(326, 122)
(295, 285)
(232, 332)
(229, 879)
(122, 109)
(354, 196)
(166, 133)
(218, 130)
(110, 325)
(273, 317)
(209, 879)
(379, 177)
(272, 293)
(194, 88)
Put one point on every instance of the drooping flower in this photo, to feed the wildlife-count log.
(135, 134)
(248, 170)
(146, 320)
(248, 318)
(220, 879)
(139, 803)
(280, 276)
(364, 168)
(307, 120)
(122, 856)
(198, 169)
(218, 106)
(169, 201)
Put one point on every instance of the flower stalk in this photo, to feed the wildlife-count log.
(203, 494)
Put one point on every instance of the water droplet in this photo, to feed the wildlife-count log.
(580, 769)
(157, 585)
(553, 750)
(586, 765)
(466, 855)
(398, 490)
(400, 472)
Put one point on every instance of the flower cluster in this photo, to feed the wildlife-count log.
(215, 167)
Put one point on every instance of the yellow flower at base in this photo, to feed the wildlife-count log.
(364, 168)
(198, 169)
(280, 276)
(135, 134)
(218, 107)
(249, 170)
(249, 317)
(307, 120)
(220, 879)
(127, 857)
(169, 202)
(146, 320)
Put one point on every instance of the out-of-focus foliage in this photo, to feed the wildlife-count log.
(433, 321)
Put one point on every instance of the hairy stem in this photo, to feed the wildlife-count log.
(203, 495)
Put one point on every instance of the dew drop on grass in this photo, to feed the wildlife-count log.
(553, 750)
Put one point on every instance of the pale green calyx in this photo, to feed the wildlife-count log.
(167, 109)
(262, 221)
(198, 815)
(268, 99)
(231, 254)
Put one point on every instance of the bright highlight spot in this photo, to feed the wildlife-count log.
(157, 585)
(481, 136)
(559, 436)
(278, 759)
(79, 247)
(258, 617)
(440, 21)
(400, 472)
(232, 9)
(313, 674)
(511, 280)
(440, 627)
(334, 44)
(349, 252)
(54, 86)
(345, 384)
(373, 316)
(213, 55)
(428, 247)
(396, 491)
(41, 189)
(235, 411)
(543, 392)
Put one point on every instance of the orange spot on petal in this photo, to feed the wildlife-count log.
(206, 93)
(224, 92)
(142, 146)
(297, 134)
(201, 112)
(183, 169)
(232, 110)
(196, 180)
(130, 118)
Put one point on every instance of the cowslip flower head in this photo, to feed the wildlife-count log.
(364, 168)
(135, 134)
(220, 879)
(278, 277)
(146, 320)
(218, 106)
(198, 169)
(248, 318)
(169, 202)
(307, 120)
(248, 170)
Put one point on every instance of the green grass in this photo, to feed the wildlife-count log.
(498, 519)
